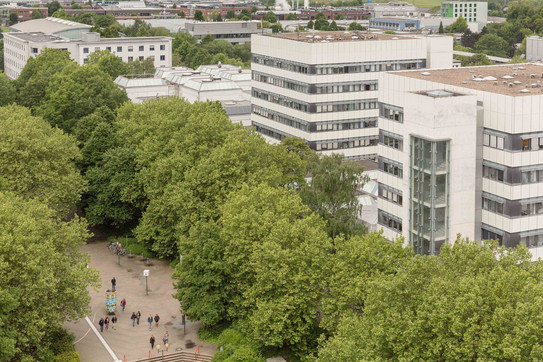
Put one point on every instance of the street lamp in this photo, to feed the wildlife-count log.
(146, 274)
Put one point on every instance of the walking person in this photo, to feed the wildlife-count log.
(113, 321)
(106, 322)
(165, 340)
(157, 318)
(133, 317)
(138, 316)
(123, 303)
(150, 320)
(113, 284)
(101, 324)
(152, 341)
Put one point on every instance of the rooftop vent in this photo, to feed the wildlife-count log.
(489, 78)
(532, 75)
(478, 79)
(524, 91)
(510, 84)
(464, 82)
(522, 68)
(517, 82)
(425, 73)
(507, 77)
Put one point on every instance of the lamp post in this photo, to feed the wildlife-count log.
(146, 274)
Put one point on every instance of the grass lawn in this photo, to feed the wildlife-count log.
(4, 29)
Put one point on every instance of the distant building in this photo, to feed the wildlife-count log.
(534, 48)
(235, 32)
(393, 8)
(473, 12)
(397, 24)
(20, 46)
(52, 26)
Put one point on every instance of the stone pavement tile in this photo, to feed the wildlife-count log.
(125, 340)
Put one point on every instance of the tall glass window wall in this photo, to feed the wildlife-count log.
(429, 194)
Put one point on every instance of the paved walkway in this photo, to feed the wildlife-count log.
(127, 341)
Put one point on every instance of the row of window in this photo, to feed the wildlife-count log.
(493, 206)
(391, 194)
(130, 48)
(532, 241)
(343, 68)
(391, 140)
(371, 67)
(269, 132)
(389, 221)
(282, 101)
(493, 173)
(501, 175)
(281, 82)
(493, 141)
(281, 118)
(347, 143)
(131, 59)
(345, 107)
(280, 64)
(390, 167)
(391, 112)
(344, 125)
(355, 105)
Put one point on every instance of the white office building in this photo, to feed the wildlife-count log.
(324, 88)
(20, 46)
(472, 11)
(235, 32)
(534, 48)
(461, 151)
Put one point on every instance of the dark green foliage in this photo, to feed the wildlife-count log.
(199, 16)
(53, 7)
(355, 26)
(7, 90)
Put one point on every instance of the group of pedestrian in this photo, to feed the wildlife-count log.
(150, 320)
(135, 317)
(165, 341)
(105, 323)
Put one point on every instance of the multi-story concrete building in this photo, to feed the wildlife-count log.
(52, 26)
(461, 151)
(472, 11)
(323, 86)
(392, 8)
(19, 47)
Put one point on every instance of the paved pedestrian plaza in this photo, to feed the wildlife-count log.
(126, 341)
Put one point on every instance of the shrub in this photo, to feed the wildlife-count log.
(67, 357)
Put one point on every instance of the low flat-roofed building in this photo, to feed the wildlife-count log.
(235, 32)
(20, 46)
(52, 26)
(142, 87)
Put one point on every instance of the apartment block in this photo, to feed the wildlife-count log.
(324, 86)
(461, 151)
(472, 11)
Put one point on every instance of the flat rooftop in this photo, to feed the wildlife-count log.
(336, 36)
(510, 79)
(37, 37)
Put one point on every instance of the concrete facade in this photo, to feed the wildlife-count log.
(472, 11)
(325, 90)
(482, 179)
(235, 32)
(19, 47)
(534, 48)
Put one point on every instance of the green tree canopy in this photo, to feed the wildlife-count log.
(355, 26)
(44, 276)
(291, 16)
(339, 17)
(73, 94)
(459, 26)
(37, 14)
(37, 161)
(270, 17)
(332, 193)
(109, 63)
(199, 16)
(7, 90)
(473, 302)
(53, 7)
(492, 44)
(38, 72)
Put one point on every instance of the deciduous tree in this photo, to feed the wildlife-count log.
(38, 161)
(44, 276)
